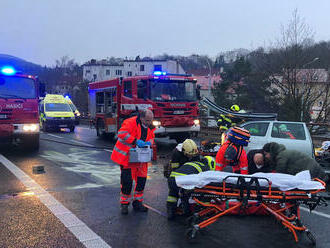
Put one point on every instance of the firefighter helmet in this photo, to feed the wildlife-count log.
(235, 108)
(189, 148)
(210, 162)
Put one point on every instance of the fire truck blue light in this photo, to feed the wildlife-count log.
(159, 73)
(8, 70)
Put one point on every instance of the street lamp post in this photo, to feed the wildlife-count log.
(303, 90)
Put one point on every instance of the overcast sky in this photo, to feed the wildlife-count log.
(42, 31)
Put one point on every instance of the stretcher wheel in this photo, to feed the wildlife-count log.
(192, 220)
(311, 237)
(191, 234)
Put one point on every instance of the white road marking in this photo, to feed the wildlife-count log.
(81, 143)
(53, 135)
(316, 212)
(78, 228)
(85, 128)
(107, 150)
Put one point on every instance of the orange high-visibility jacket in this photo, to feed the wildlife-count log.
(128, 134)
(220, 161)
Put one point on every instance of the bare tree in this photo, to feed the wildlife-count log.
(292, 79)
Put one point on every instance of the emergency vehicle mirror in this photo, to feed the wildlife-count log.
(198, 92)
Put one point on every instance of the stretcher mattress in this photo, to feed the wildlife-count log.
(283, 182)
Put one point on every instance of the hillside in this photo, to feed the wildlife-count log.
(20, 64)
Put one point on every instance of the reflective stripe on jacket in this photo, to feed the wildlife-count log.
(189, 168)
(129, 132)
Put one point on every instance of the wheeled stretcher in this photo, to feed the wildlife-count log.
(258, 188)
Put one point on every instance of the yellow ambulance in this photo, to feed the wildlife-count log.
(55, 113)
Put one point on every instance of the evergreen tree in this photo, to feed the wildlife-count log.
(232, 88)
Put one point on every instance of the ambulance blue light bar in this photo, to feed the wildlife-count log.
(159, 73)
(8, 70)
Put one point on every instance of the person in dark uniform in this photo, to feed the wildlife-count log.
(194, 167)
(183, 153)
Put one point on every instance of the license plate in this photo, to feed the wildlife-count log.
(3, 116)
(178, 112)
(62, 125)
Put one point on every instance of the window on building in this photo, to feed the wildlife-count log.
(107, 72)
(94, 77)
(87, 72)
(118, 72)
(141, 67)
(129, 74)
(128, 89)
(157, 67)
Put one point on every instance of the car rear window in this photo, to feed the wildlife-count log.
(257, 129)
(288, 131)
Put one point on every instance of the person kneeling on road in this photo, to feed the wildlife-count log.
(194, 167)
(135, 131)
(183, 153)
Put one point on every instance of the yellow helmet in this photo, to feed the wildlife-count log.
(189, 148)
(210, 162)
(235, 108)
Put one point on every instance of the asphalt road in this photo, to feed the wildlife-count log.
(75, 203)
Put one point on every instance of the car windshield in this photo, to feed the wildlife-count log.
(17, 87)
(172, 90)
(57, 107)
(73, 107)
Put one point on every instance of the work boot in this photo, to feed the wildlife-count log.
(124, 209)
(171, 210)
(139, 207)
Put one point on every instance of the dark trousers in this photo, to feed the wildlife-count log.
(126, 183)
(173, 190)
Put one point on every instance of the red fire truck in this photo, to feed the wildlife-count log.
(172, 98)
(19, 115)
